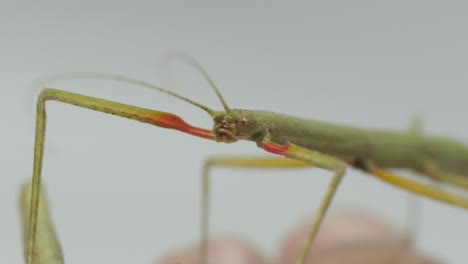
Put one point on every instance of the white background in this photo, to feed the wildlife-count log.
(125, 192)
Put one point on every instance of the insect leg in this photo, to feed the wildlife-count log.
(48, 250)
(416, 124)
(233, 162)
(439, 175)
(413, 203)
(153, 117)
(316, 159)
(417, 187)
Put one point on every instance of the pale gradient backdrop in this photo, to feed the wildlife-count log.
(125, 192)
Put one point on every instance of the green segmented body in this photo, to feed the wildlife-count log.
(389, 149)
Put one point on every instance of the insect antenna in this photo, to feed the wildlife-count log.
(172, 56)
(120, 78)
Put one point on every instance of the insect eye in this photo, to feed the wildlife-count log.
(244, 121)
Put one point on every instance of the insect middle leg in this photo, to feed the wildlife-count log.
(309, 159)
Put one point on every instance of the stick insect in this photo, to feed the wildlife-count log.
(296, 142)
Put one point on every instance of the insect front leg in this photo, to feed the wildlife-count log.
(157, 118)
(315, 159)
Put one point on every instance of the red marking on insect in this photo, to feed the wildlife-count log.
(277, 149)
(171, 121)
